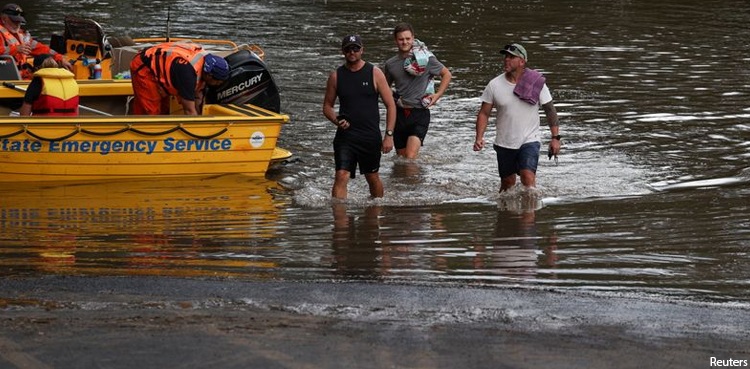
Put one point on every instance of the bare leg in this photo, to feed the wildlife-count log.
(528, 178)
(413, 144)
(376, 185)
(507, 183)
(340, 182)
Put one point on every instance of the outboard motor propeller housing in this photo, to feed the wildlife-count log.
(249, 82)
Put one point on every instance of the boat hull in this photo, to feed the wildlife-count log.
(224, 140)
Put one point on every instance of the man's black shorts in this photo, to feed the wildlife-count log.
(350, 153)
(410, 122)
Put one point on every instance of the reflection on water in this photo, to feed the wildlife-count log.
(209, 226)
(649, 196)
(515, 247)
(374, 243)
(356, 248)
(247, 228)
(407, 171)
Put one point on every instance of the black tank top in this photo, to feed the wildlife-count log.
(358, 100)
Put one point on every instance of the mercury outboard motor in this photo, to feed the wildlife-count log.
(249, 82)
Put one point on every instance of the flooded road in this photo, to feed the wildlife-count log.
(649, 195)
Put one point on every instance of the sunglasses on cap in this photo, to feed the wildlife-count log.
(512, 48)
(354, 48)
(14, 12)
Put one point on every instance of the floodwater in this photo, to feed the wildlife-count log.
(650, 194)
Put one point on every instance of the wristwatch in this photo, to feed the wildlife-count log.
(388, 132)
(558, 137)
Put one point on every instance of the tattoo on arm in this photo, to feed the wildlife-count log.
(549, 110)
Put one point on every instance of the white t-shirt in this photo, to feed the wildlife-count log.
(517, 122)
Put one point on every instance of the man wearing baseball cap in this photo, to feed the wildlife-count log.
(19, 44)
(517, 94)
(516, 50)
(357, 85)
(351, 40)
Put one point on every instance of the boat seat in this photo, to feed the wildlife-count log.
(9, 69)
(85, 30)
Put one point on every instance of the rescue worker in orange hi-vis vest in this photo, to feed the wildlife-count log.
(53, 91)
(181, 69)
(19, 44)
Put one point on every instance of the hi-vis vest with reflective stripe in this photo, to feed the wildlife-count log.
(11, 41)
(59, 95)
(162, 56)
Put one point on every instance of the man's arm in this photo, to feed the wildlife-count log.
(189, 106)
(39, 48)
(60, 59)
(445, 79)
(381, 84)
(18, 51)
(330, 99)
(481, 126)
(185, 81)
(25, 110)
(32, 94)
(388, 78)
(553, 122)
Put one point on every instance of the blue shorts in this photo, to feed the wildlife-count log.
(349, 153)
(511, 161)
(410, 122)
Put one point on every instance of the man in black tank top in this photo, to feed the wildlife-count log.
(358, 141)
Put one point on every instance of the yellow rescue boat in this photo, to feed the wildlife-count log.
(237, 132)
(225, 139)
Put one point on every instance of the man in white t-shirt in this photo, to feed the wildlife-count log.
(518, 137)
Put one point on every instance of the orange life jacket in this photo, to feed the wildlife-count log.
(13, 41)
(159, 59)
(59, 95)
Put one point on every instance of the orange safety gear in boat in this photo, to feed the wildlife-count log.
(12, 41)
(151, 75)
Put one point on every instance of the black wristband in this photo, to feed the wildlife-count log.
(558, 137)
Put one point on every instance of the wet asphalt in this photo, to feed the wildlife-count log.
(154, 322)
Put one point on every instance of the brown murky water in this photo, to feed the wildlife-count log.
(650, 194)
